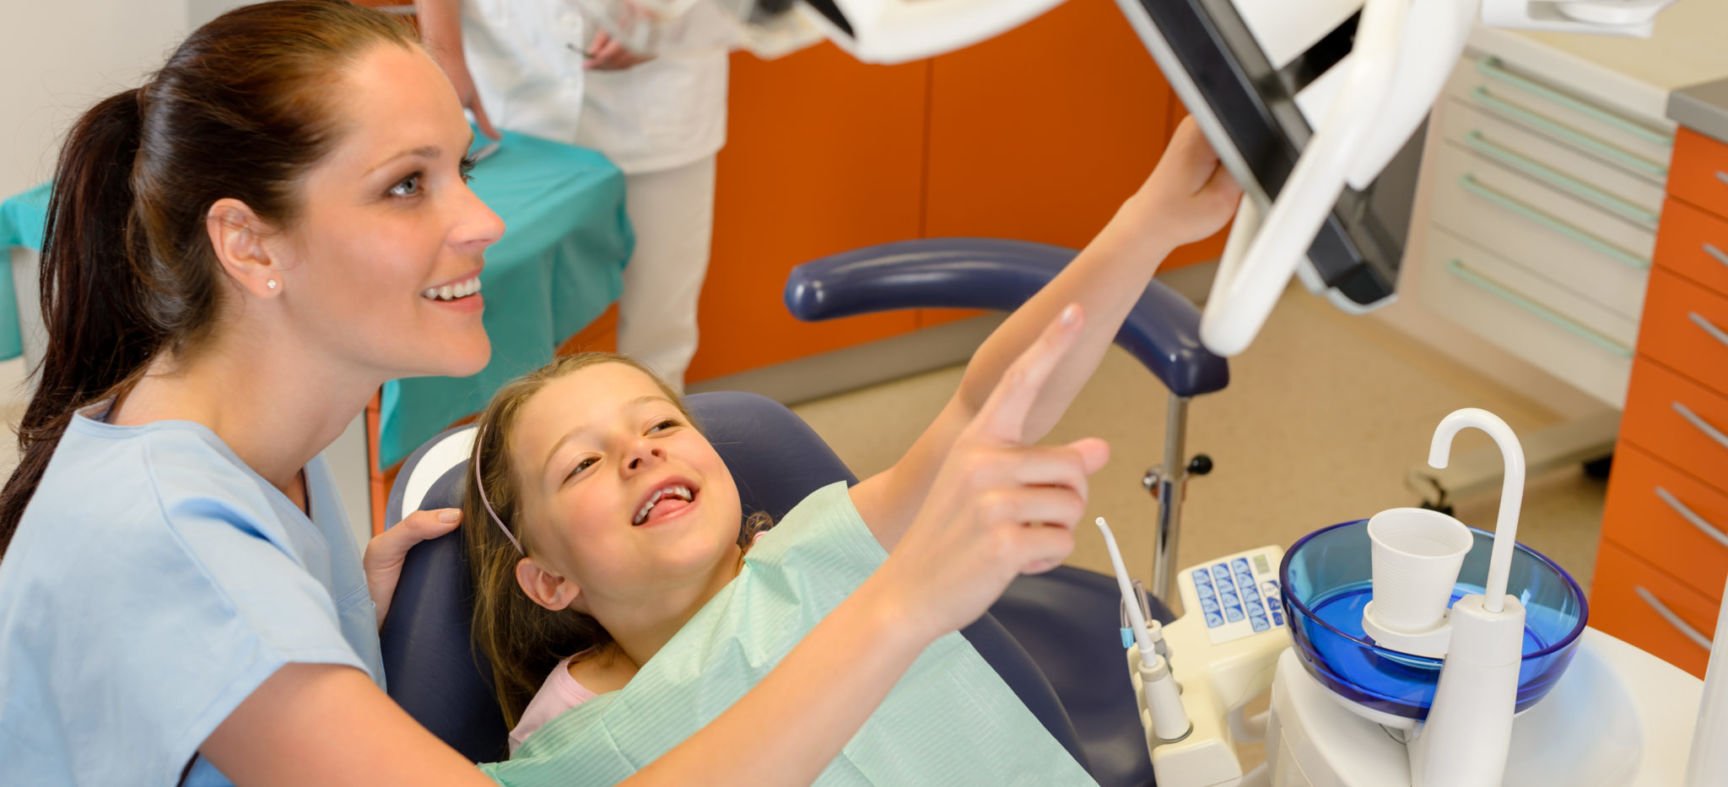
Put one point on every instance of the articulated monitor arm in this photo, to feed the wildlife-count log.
(1308, 173)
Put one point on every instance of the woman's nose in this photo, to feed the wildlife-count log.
(477, 225)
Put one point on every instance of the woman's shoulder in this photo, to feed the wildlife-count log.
(134, 486)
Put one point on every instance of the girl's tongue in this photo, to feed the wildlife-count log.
(667, 506)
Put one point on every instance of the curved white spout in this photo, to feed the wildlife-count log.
(1511, 491)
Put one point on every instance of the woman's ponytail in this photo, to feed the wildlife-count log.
(99, 332)
(241, 110)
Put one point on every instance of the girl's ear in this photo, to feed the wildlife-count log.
(544, 587)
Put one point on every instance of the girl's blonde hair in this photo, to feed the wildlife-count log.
(523, 640)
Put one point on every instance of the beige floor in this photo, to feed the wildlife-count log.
(1323, 416)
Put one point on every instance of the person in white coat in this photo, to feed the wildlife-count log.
(540, 67)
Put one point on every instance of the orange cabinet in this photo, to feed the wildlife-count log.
(1641, 603)
(1041, 133)
(1699, 173)
(823, 154)
(1662, 560)
(1037, 135)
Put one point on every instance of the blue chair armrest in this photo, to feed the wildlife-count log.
(1162, 331)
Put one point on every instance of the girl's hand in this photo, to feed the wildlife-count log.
(998, 507)
(1189, 195)
(386, 551)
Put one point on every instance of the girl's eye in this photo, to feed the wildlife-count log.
(466, 168)
(663, 426)
(580, 466)
(406, 187)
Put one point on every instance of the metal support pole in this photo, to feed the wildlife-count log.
(1167, 485)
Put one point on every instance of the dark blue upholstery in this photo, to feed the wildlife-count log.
(776, 460)
(1162, 331)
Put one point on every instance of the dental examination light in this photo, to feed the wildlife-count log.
(1317, 107)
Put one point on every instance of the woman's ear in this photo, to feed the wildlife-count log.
(545, 588)
(237, 236)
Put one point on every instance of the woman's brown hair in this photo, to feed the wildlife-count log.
(242, 109)
(523, 640)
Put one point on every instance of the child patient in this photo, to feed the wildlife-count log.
(624, 599)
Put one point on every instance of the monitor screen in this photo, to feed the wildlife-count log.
(1249, 106)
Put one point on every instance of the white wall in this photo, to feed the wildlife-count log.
(58, 57)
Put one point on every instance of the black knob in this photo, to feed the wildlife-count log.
(1201, 464)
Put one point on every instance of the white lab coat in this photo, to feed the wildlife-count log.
(662, 122)
(526, 59)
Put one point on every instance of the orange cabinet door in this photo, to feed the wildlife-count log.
(823, 154)
(1678, 421)
(1619, 608)
(1668, 518)
(1694, 244)
(1685, 326)
(1039, 134)
(1698, 172)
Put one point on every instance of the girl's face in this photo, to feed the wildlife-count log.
(621, 496)
(389, 236)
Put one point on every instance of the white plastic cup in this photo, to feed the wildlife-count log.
(1416, 557)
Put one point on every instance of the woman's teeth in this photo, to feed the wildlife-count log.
(450, 292)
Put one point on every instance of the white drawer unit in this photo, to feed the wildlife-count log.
(1591, 125)
(1552, 235)
(1541, 221)
(1548, 325)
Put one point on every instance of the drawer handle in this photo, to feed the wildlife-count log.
(1567, 134)
(1521, 301)
(1511, 203)
(1490, 67)
(1702, 425)
(1560, 180)
(1674, 620)
(1708, 327)
(1718, 254)
(1692, 518)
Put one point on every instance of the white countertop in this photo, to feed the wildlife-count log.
(1690, 46)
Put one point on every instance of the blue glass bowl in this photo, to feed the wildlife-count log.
(1327, 579)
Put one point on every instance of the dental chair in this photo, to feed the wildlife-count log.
(1052, 637)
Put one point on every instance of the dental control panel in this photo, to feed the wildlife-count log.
(1237, 595)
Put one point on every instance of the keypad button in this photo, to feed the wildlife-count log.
(1206, 591)
(1214, 620)
(1228, 596)
(1270, 586)
(1221, 573)
(1260, 624)
(1200, 575)
(1233, 614)
(1240, 564)
(1208, 605)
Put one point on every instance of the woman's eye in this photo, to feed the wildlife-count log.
(466, 168)
(406, 187)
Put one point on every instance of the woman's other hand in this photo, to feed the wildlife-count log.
(386, 551)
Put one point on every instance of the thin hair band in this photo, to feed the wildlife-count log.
(480, 486)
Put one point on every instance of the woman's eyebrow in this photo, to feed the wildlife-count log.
(425, 151)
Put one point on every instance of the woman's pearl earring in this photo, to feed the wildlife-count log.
(271, 283)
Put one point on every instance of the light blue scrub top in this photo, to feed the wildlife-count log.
(154, 582)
